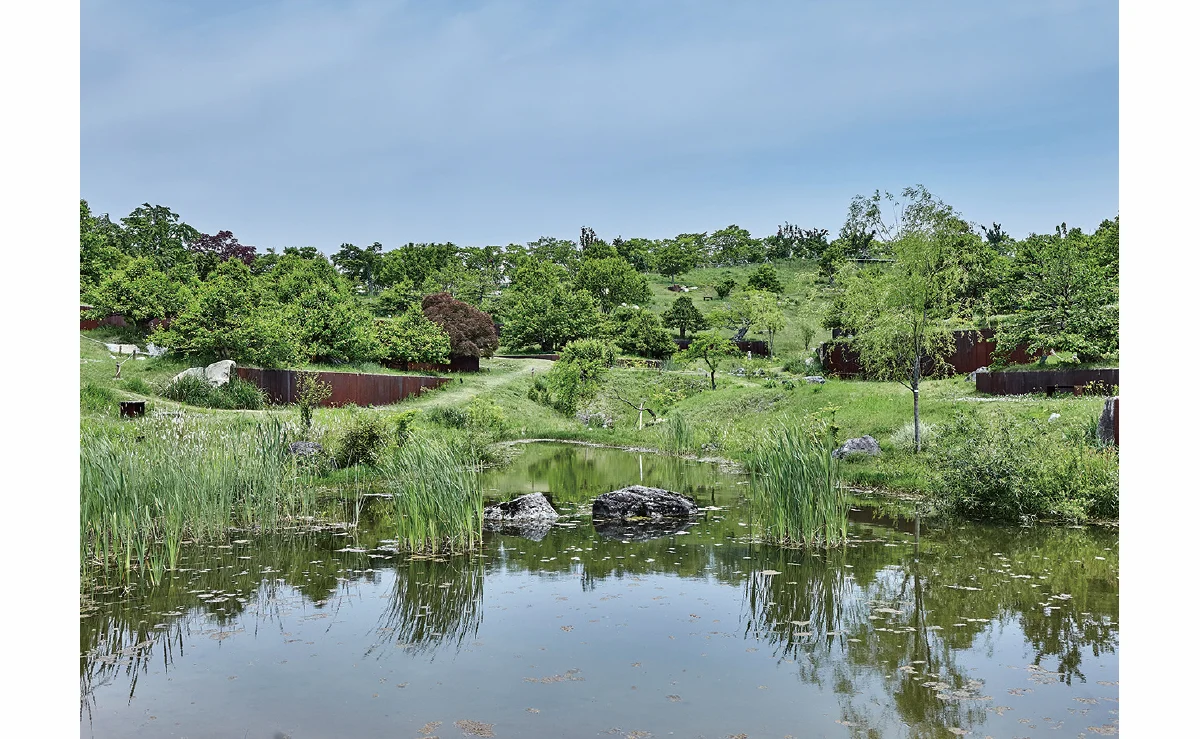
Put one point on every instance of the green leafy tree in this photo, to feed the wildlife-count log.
(310, 393)
(331, 325)
(411, 337)
(416, 263)
(577, 375)
(678, 255)
(636, 251)
(397, 298)
(639, 331)
(725, 285)
(901, 316)
(712, 349)
(233, 316)
(685, 316)
(611, 281)
(539, 309)
(360, 264)
(752, 310)
(562, 252)
(1066, 298)
(141, 293)
(792, 241)
(155, 232)
(765, 278)
(99, 247)
(734, 245)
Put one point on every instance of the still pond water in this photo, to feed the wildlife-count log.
(687, 630)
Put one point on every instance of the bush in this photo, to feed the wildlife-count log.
(311, 392)
(797, 365)
(448, 416)
(362, 441)
(404, 426)
(237, 394)
(725, 286)
(138, 385)
(765, 278)
(485, 416)
(902, 438)
(1015, 472)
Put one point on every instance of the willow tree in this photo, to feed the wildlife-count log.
(901, 316)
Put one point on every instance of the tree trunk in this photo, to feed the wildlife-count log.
(712, 376)
(916, 388)
(682, 336)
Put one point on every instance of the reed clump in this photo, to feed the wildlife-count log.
(796, 494)
(148, 487)
(437, 496)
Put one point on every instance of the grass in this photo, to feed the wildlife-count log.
(437, 497)
(795, 493)
(148, 486)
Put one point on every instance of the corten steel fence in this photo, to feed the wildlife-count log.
(347, 387)
(1051, 382)
(972, 350)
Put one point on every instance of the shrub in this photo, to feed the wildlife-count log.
(725, 286)
(902, 438)
(472, 332)
(485, 416)
(243, 395)
(997, 470)
(765, 278)
(310, 393)
(362, 441)
(404, 426)
(138, 385)
(237, 394)
(448, 416)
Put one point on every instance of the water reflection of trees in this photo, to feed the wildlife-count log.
(853, 617)
(434, 603)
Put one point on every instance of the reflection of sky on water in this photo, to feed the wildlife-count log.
(679, 633)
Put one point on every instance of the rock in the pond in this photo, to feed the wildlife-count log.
(1106, 428)
(306, 449)
(815, 380)
(637, 501)
(861, 445)
(525, 509)
(218, 373)
(197, 372)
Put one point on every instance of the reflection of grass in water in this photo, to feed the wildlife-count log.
(437, 497)
(166, 480)
(434, 602)
(796, 497)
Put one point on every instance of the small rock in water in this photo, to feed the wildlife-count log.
(638, 501)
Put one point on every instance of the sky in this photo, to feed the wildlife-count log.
(294, 123)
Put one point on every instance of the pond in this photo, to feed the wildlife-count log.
(687, 630)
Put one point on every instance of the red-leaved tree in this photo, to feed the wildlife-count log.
(472, 333)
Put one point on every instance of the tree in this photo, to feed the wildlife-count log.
(140, 293)
(99, 247)
(611, 281)
(472, 332)
(901, 315)
(639, 331)
(155, 232)
(331, 325)
(734, 245)
(538, 308)
(711, 348)
(577, 374)
(209, 251)
(415, 263)
(233, 316)
(558, 251)
(751, 310)
(792, 241)
(725, 285)
(678, 255)
(360, 264)
(591, 247)
(685, 316)
(636, 251)
(765, 278)
(1065, 297)
(412, 337)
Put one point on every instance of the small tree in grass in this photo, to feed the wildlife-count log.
(765, 278)
(711, 348)
(685, 316)
(310, 393)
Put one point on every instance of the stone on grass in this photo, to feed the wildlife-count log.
(218, 373)
(980, 371)
(306, 449)
(197, 372)
(1106, 428)
(638, 501)
(861, 445)
(815, 380)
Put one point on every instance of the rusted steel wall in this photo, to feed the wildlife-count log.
(1021, 383)
(347, 387)
(972, 350)
(550, 357)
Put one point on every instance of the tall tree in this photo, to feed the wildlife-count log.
(678, 255)
(209, 251)
(471, 331)
(685, 316)
(734, 245)
(360, 264)
(612, 281)
(99, 247)
(540, 309)
(901, 315)
(155, 232)
(710, 348)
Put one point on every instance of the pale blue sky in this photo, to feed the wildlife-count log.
(314, 123)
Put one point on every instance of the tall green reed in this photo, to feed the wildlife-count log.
(795, 492)
(436, 493)
(147, 487)
(678, 435)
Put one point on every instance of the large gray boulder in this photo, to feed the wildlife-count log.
(309, 449)
(197, 372)
(637, 501)
(526, 509)
(1106, 429)
(218, 373)
(861, 445)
